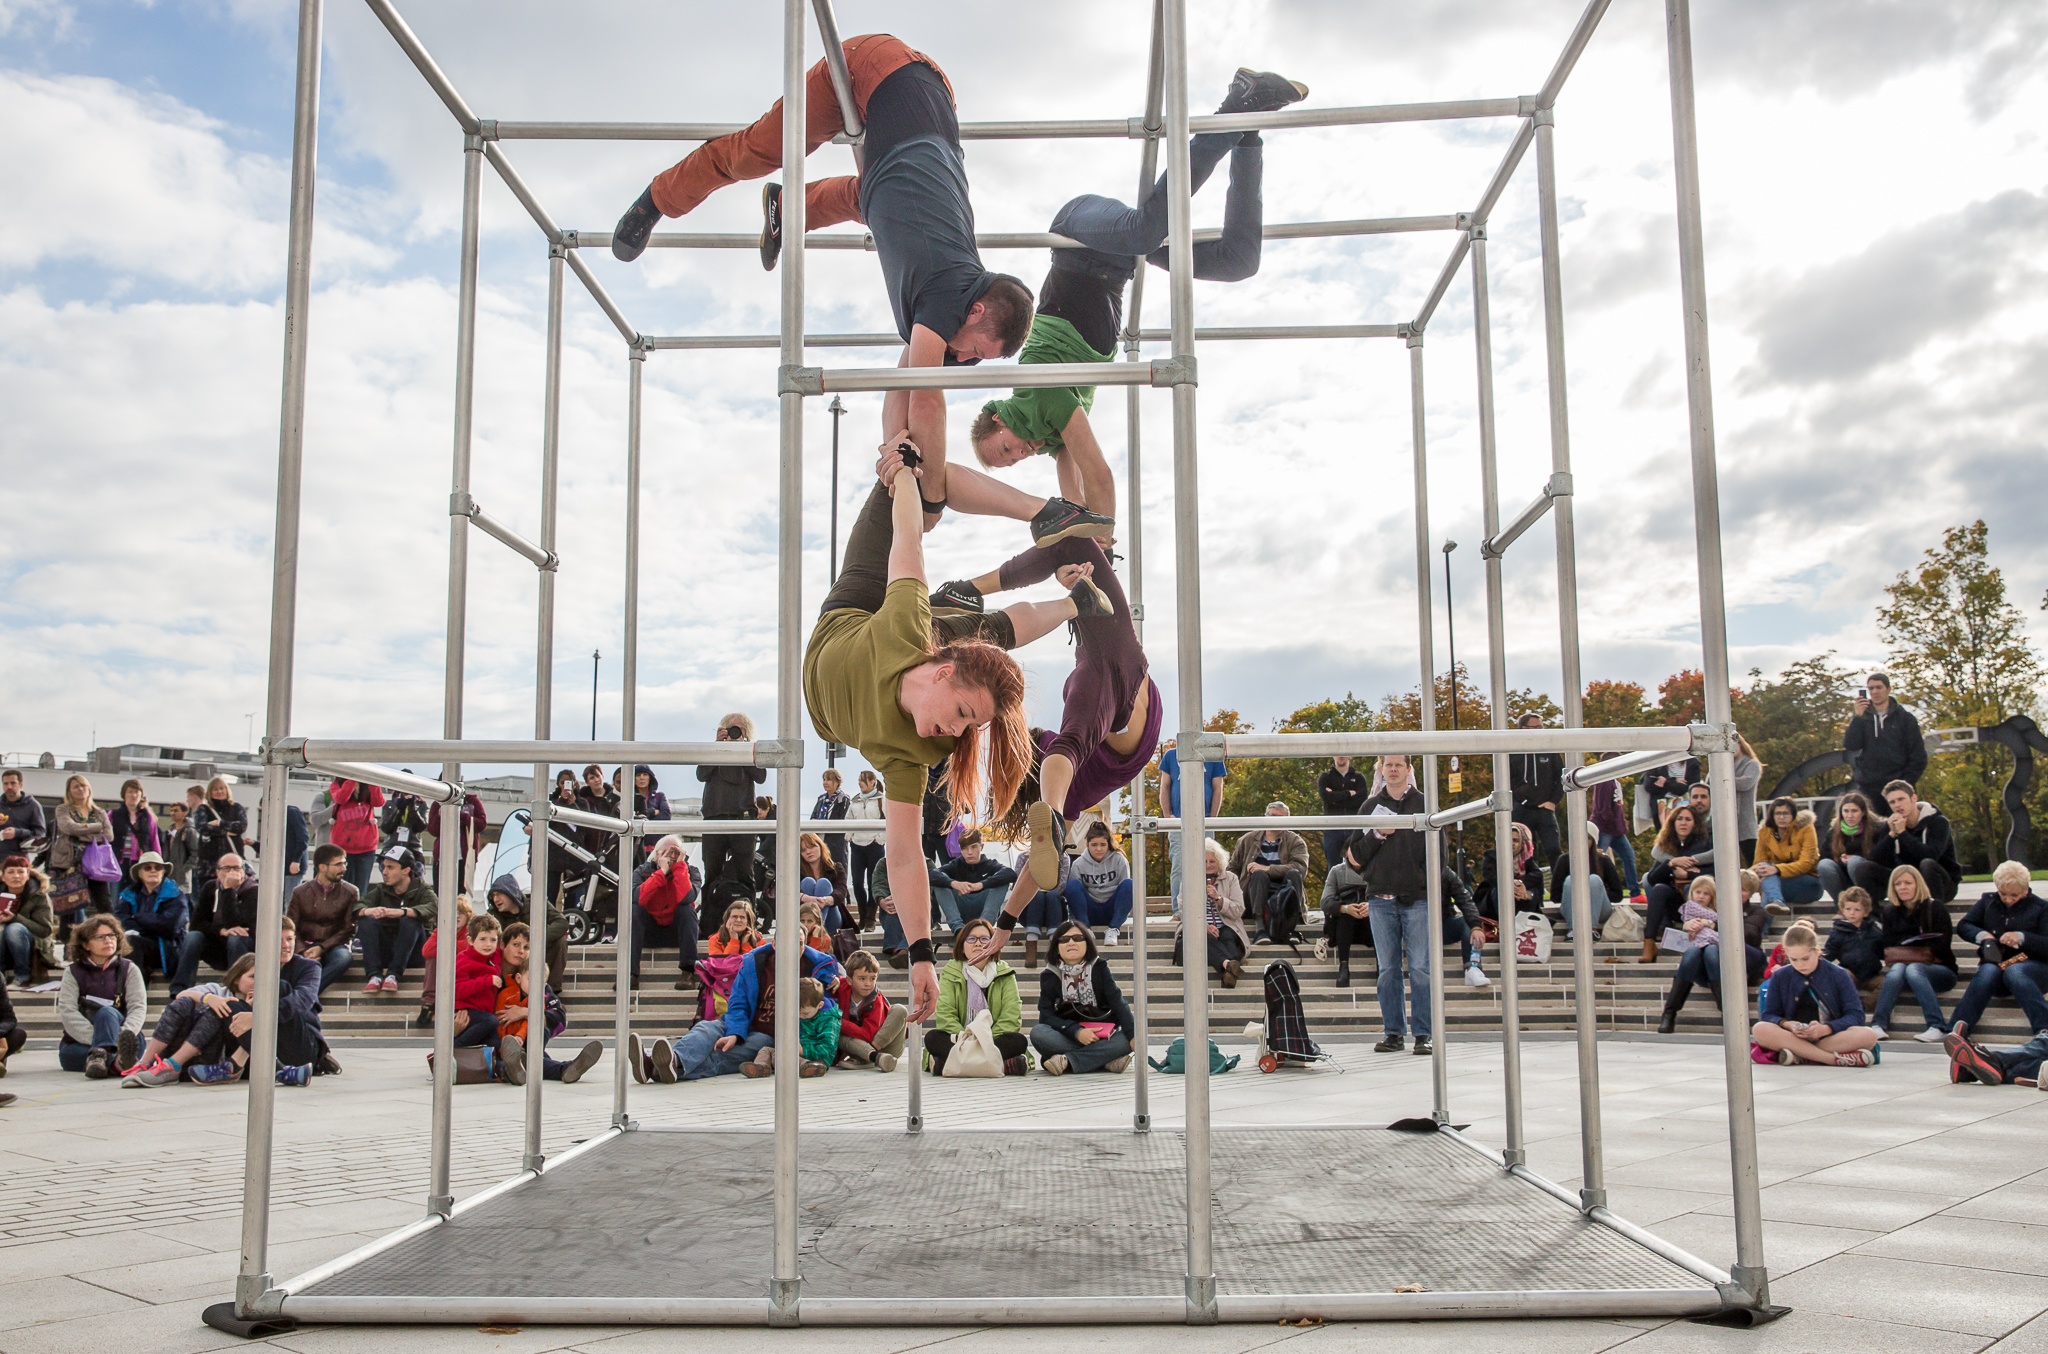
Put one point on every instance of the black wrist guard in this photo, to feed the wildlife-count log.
(1007, 923)
(911, 456)
(920, 952)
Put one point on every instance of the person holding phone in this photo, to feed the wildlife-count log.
(1884, 739)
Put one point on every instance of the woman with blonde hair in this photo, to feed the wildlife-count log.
(1811, 1011)
(76, 824)
(222, 825)
(1919, 949)
(822, 880)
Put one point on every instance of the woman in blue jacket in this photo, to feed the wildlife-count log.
(1811, 1012)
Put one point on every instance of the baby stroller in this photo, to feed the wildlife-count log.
(1283, 1039)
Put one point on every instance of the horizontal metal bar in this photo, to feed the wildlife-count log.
(1500, 801)
(1614, 768)
(603, 299)
(1203, 745)
(743, 827)
(1215, 335)
(985, 377)
(440, 791)
(1502, 176)
(1236, 333)
(462, 505)
(846, 240)
(1354, 117)
(702, 341)
(522, 192)
(1307, 822)
(761, 752)
(619, 827)
(408, 42)
(1560, 486)
(1469, 1306)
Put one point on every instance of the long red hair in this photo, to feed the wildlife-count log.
(982, 666)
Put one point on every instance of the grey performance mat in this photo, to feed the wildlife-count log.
(995, 1214)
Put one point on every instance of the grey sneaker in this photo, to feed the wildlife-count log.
(582, 1063)
(664, 1062)
(512, 1060)
(162, 1072)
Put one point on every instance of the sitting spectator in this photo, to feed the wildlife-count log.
(871, 1029)
(1084, 1024)
(818, 1027)
(1917, 834)
(324, 910)
(1099, 889)
(739, 934)
(1666, 786)
(1606, 880)
(664, 909)
(302, 1050)
(12, 1035)
(1845, 858)
(134, 828)
(1396, 870)
(1528, 877)
(1786, 855)
(1811, 1012)
(1347, 910)
(509, 903)
(974, 981)
(714, 1048)
(1224, 917)
(1046, 910)
(1682, 853)
(810, 919)
(822, 879)
(223, 921)
(153, 913)
(1610, 828)
(478, 979)
(391, 918)
(965, 885)
(1270, 867)
(511, 1018)
(1343, 791)
(1701, 962)
(26, 920)
(430, 972)
(192, 1036)
(1462, 926)
(1919, 953)
(1856, 940)
(103, 1001)
(2009, 927)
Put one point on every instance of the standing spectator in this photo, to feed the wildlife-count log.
(1084, 1024)
(664, 910)
(1666, 785)
(222, 922)
(102, 1002)
(355, 828)
(405, 820)
(1208, 787)
(1812, 1012)
(153, 913)
(323, 909)
(75, 823)
(1917, 834)
(1884, 740)
(649, 803)
(1845, 858)
(467, 839)
(2009, 927)
(729, 793)
(180, 845)
(1270, 867)
(1342, 791)
(832, 804)
(864, 845)
(21, 816)
(1536, 780)
(1100, 891)
(1919, 953)
(134, 828)
(564, 870)
(1604, 812)
(601, 899)
(223, 828)
(821, 879)
(1786, 856)
(1749, 773)
(1394, 866)
(1223, 916)
(298, 848)
(27, 921)
(391, 918)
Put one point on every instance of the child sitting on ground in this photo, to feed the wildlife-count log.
(1811, 1011)
(511, 1014)
(477, 980)
(871, 1030)
(817, 1030)
(740, 932)
(1855, 941)
(463, 912)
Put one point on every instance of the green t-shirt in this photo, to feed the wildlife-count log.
(851, 670)
(1041, 415)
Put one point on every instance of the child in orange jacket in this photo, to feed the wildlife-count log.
(511, 1015)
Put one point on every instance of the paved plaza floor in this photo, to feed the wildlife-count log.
(1900, 1210)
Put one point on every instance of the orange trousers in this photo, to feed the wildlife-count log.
(757, 152)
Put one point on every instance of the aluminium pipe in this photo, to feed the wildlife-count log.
(865, 242)
(629, 667)
(1216, 746)
(1464, 813)
(530, 1158)
(743, 827)
(602, 297)
(1574, 47)
(298, 752)
(1307, 822)
(1503, 175)
(1432, 845)
(1748, 1271)
(1284, 331)
(555, 813)
(491, 526)
(544, 647)
(252, 1276)
(437, 791)
(688, 342)
(1442, 284)
(1614, 768)
(661, 342)
(835, 66)
(416, 52)
(524, 194)
(849, 380)
(1528, 517)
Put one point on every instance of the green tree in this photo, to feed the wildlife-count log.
(1958, 652)
(1796, 717)
(1158, 866)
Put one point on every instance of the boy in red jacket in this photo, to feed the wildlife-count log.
(477, 980)
(871, 1030)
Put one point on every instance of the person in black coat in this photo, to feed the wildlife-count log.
(1536, 779)
(1077, 998)
(1343, 791)
(1917, 834)
(223, 826)
(1606, 883)
(223, 922)
(2009, 927)
(1395, 868)
(729, 793)
(1884, 739)
(1528, 875)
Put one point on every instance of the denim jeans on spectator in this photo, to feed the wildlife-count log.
(1603, 906)
(1398, 930)
(680, 932)
(1926, 980)
(237, 946)
(1458, 932)
(188, 961)
(2022, 982)
(388, 945)
(1043, 914)
(1080, 1057)
(1085, 909)
(2023, 1060)
(481, 1029)
(361, 868)
(946, 904)
(1835, 876)
(334, 961)
(1703, 965)
(17, 951)
(697, 1054)
(970, 906)
(1792, 890)
(892, 930)
(1625, 855)
(106, 1033)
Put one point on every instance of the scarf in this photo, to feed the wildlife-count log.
(979, 976)
(1077, 984)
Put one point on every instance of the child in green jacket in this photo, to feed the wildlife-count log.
(819, 1029)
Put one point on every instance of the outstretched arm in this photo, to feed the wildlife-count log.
(1083, 458)
(922, 411)
(903, 849)
(906, 519)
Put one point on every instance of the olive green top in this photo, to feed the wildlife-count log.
(852, 669)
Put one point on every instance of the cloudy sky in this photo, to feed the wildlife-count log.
(1874, 177)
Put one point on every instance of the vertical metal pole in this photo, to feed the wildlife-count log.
(439, 1199)
(1200, 1282)
(1748, 1269)
(1433, 839)
(544, 684)
(1514, 1154)
(786, 1287)
(1593, 1189)
(252, 1280)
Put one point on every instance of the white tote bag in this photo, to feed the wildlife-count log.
(1624, 925)
(1532, 937)
(974, 1050)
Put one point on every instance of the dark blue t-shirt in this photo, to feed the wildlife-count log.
(915, 203)
(1169, 769)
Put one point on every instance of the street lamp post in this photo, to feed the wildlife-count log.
(594, 656)
(835, 409)
(1451, 633)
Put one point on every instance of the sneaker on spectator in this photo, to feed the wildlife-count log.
(1392, 1043)
(1862, 1057)
(811, 1068)
(664, 1062)
(390, 985)
(1933, 1034)
(1786, 1058)
(127, 1050)
(1056, 1065)
(160, 1072)
(1109, 937)
(1777, 909)
(1118, 1065)
(512, 1060)
(1017, 1066)
(294, 1074)
(636, 1060)
(582, 1063)
(141, 1065)
(1880, 1031)
(886, 1061)
(373, 986)
(1967, 1061)
(1422, 1046)
(1476, 977)
(215, 1074)
(327, 1065)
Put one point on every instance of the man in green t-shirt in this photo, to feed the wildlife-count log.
(1081, 305)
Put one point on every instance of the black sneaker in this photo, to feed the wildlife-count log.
(629, 237)
(1393, 1043)
(1048, 836)
(1261, 92)
(958, 598)
(1059, 519)
(127, 1049)
(1090, 600)
(1422, 1048)
(771, 224)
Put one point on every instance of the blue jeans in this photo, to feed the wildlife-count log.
(1625, 855)
(1926, 980)
(188, 961)
(946, 904)
(2022, 982)
(1603, 906)
(1333, 847)
(697, 1055)
(334, 962)
(1085, 909)
(819, 891)
(481, 1029)
(1397, 929)
(970, 906)
(1043, 914)
(1703, 965)
(1797, 889)
(1111, 227)
(1459, 933)
(1080, 1057)
(1173, 869)
(17, 950)
(2025, 1060)
(106, 1033)
(362, 866)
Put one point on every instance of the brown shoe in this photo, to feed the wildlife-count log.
(1031, 952)
(1649, 952)
(1231, 969)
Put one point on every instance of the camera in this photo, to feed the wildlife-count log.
(735, 734)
